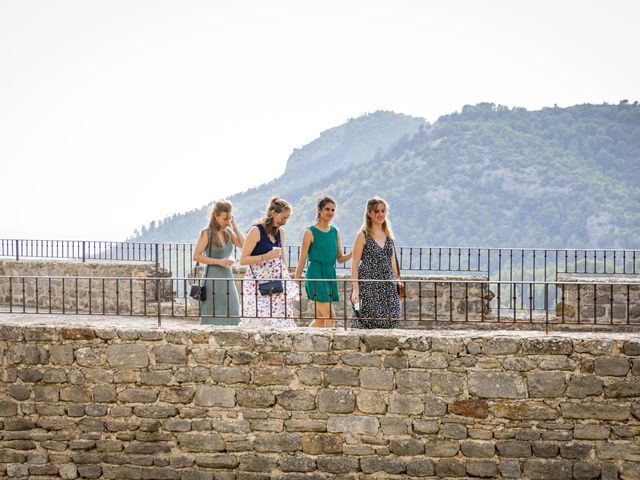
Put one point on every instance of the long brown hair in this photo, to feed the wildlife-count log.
(322, 201)
(219, 207)
(276, 205)
(372, 203)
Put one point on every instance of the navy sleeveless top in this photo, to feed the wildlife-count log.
(265, 245)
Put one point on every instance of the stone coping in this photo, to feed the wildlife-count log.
(603, 280)
(173, 325)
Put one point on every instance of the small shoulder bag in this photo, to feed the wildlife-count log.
(269, 287)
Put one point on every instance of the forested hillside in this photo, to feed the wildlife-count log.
(486, 176)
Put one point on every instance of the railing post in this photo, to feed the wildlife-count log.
(84, 253)
(158, 288)
(17, 249)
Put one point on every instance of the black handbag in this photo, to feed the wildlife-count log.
(198, 292)
(270, 286)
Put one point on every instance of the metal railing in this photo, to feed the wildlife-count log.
(427, 303)
(496, 264)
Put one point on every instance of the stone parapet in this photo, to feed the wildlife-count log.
(85, 399)
(599, 302)
(87, 287)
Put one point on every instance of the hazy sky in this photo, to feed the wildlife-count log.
(115, 113)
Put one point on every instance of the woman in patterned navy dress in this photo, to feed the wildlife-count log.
(263, 254)
(376, 304)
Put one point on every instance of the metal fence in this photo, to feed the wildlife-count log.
(497, 264)
(427, 303)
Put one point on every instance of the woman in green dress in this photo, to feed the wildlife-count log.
(214, 249)
(323, 245)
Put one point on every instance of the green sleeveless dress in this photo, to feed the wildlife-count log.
(221, 292)
(323, 254)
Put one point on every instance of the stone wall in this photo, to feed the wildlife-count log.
(598, 303)
(141, 403)
(82, 288)
(460, 303)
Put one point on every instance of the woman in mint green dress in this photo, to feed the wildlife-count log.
(214, 249)
(322, 244)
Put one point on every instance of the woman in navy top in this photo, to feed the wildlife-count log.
(263, 253)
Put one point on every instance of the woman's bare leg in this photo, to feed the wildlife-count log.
(325, 315)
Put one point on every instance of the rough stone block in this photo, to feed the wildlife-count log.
(545, 449)
(341, 377)
(406, 446)
(447, 384)
(478, 449)
(296, 400)
(358, 359)
(450, 467)
(255, 398)
(501, 346)
(278, 442)
(221, 461)
(547, 346)
(496, 385)
(470, 408)
(546, 385)
(595, 411)
(420, 467)
(201, 442)
(454, 431)
(297, 463)
(214, 396)
(354, 424)
(425, 426)
(482, 468)
(336, 401)
(338, 464)
(544, 469)
(625, 389)
(379, 342)
(387, 464)
(376, 379)
(441, 448)
(371, 402)
(612, 366)
(514, 449)
(127, 356)
(510, 468)
(230, 375)
(582, 386)
(434, 407)
(137, 395)
(408, 381)
(394, 425)
(406, 404)
(322, 443)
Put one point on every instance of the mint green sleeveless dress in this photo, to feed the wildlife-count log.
(323, 254)
(221, 293)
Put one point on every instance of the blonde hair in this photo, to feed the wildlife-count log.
(219, 207)
(372, 203)
(276, 205)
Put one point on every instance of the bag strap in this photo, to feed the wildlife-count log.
(254, 275)
(195, 269)
(395, 256)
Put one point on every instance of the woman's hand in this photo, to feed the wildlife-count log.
(225, 262)
(355, 295)
(272, 255)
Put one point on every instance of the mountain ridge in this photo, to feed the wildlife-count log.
(487, 175)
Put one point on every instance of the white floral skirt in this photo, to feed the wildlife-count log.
(275, 310)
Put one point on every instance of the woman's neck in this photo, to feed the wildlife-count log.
(323, 225)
